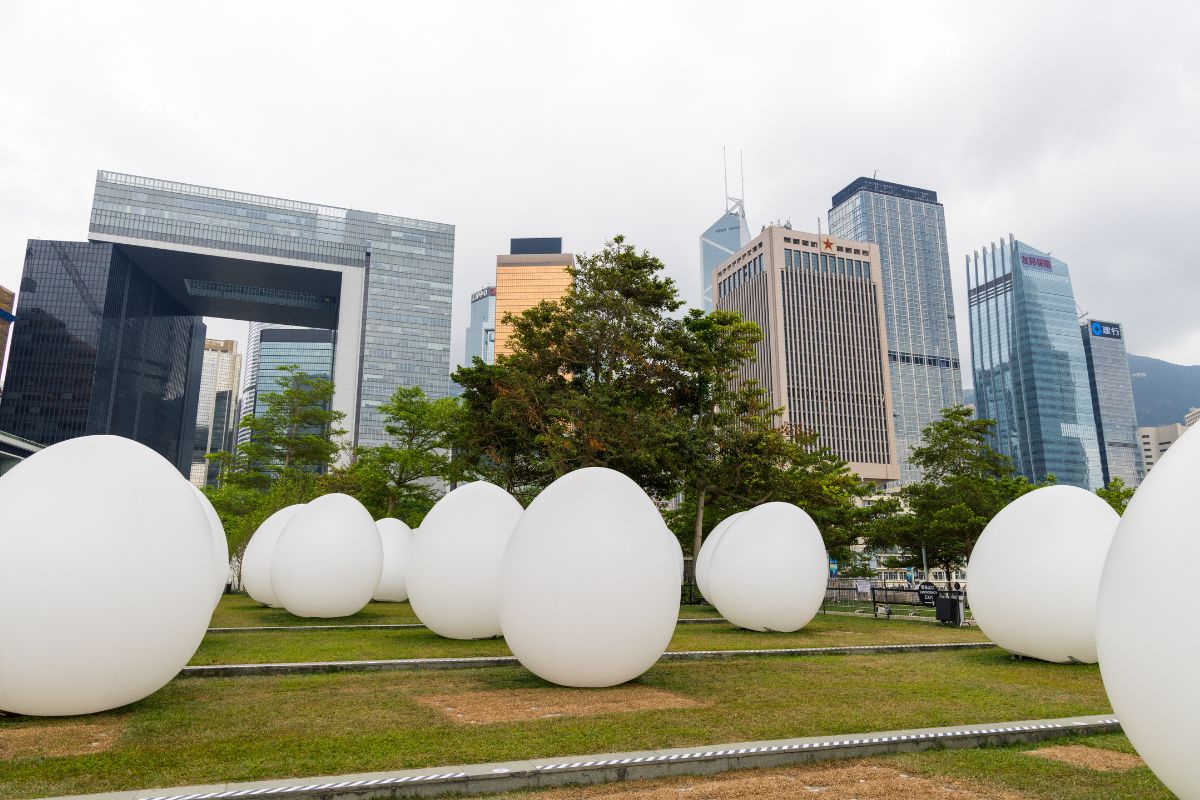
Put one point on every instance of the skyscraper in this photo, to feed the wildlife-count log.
(270, 347)
(909, 227)
(823, 355)
(1029, 368)
(1112, 402)
(384, 283)
(481, 333)
(534, 270)
(7, 299)
(101, 348)
(723, 238)
(216, 407)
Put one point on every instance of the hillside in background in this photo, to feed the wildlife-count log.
(1163, 392)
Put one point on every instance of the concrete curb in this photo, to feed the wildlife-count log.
(610, 767)
(411, 664)
(388, 626)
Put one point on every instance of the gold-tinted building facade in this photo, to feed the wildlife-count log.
(525, 279)
(823, 357)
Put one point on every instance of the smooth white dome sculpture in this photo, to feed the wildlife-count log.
(706, 551)
(101, 601)
(397, 539)
(454, 569)
(220, 543)
(1033, 576)
(256, 558)
(589, 594)
(1146, 630)
(328, 559)
(769, 571)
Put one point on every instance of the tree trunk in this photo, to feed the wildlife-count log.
(698, 530)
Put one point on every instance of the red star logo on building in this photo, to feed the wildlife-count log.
(828, 244)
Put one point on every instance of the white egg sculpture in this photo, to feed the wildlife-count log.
(1033, 575)
(328, 559)
(397, 539)
(454, 571)
(256, 559)
(769, 571)
(706, 551)
(220, 544)
(589, 593)
(1146, 633)
(101, 601)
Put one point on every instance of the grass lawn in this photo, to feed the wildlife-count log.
(231, 729)
(351, 644)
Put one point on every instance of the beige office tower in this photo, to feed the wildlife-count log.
(823, 356)
(217, 409)
(7, 299)
(533, 271)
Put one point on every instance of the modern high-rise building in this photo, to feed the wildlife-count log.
(101, 347)
(1112, 402)
(7, 300)
(216, 407)
(909, 227)
(723, 238)
(823, 355)
(382, 282)
(1191, 417)
(1030, 371)
(534, 270)
(1156, 440)
(481, 333)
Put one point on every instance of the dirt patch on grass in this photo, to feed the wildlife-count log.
(855, 780)
(1079, 755)
(517, 705)
(63, 739)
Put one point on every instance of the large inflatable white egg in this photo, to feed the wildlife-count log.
(768, 572)
(1033, 575)
(107, 584)
(1146, 632)
(220, 544)
(707, 549)
(397, 539)
(589, 594)
(256, 559)
(454, 571)
(328, 559)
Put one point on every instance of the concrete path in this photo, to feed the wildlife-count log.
(610, 767)
(390, 626)
(409, 664)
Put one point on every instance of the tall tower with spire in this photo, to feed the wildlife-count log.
(723, 238)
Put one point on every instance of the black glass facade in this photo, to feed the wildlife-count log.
(99, 347)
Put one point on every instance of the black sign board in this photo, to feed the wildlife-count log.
(928, 594)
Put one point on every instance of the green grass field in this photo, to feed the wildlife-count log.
(204, 730)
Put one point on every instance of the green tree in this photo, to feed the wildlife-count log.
(298, 429)
(1116, 494)
(587, 383)
(965, 483)
(403, 477)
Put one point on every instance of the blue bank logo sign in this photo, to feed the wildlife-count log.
(1108, 330)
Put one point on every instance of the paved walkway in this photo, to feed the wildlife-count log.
(381, 626)
(409, 664)
(610, 767)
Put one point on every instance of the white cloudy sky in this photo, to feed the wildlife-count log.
(1073, 125)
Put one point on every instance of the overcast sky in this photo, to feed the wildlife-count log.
(1073, 125)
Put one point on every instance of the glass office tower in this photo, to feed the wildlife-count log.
(909, 226)
(101, 348)
(723, 238)
(383, 282)
(1112, 401)
(216, 407)
(481, 333)
(1029, 367)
